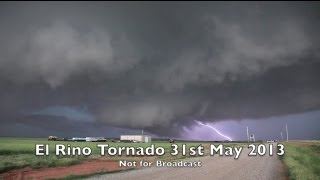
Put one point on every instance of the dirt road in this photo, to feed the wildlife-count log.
(213, 167)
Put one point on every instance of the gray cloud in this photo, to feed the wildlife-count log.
(233, 54)
(159, 65)
(55, 53)
(146, 112)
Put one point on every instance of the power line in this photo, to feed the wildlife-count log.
(287, 133)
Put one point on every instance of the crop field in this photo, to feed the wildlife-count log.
(302, 159)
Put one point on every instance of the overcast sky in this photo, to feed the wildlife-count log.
(107, 68)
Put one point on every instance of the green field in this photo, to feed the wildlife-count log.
(20, 152)
(302, 160)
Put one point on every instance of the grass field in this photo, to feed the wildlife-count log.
(302, 159)
(20, 152)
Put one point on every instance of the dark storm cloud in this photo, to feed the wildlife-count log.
(159, 65)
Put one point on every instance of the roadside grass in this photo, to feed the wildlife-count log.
(28, 160)
(17, 153)
(302, 161)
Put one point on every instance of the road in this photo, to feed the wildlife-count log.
(213, 167)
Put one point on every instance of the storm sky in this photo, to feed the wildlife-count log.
(107, 68)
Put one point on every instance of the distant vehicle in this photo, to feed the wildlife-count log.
(171, 140)
(61, 139)
(96, 139)
(77, 139)
(52, 138)
(270, 141)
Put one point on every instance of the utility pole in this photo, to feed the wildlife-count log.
(287, 132)
(142, 132)
(248, 134)
(281, 136)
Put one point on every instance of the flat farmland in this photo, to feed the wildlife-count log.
(18, 159)
(18, 153)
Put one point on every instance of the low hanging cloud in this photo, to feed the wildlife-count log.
(55, 53)
(233, 54)
(145, 113)
(158, 67)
